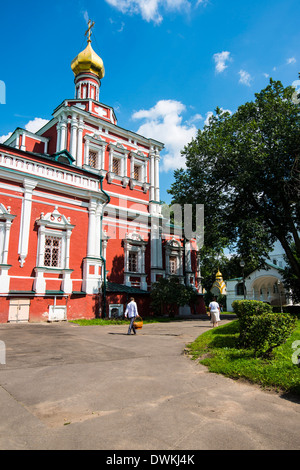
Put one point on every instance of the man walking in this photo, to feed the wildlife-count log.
(132, 312)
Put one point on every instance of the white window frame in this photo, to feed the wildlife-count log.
(117, 150)
(62, 248)
(140, 160)
(173, 268)
(53, 224)
(6, 219)
(94, 143)
(134, 243)
(134, 253)
(174, 249)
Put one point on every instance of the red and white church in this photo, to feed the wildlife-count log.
(80, 216)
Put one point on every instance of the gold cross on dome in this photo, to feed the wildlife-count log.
(89, 30)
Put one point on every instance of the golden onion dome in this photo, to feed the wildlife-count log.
(88, 61)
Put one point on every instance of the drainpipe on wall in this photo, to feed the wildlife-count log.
(102, 258)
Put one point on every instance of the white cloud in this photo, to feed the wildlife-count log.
(150, 10)
(220, 59)
(3, 138)
(245, 77)
(266, 75)
(120, 25)
(291, 60)
(32, 126)
(209, 114)
(163, 122)
(36, 124)
(86, 16)
(195, 118)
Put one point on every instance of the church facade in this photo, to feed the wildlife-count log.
(81, 228)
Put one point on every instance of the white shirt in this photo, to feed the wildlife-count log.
(214, 306)
(131, 310)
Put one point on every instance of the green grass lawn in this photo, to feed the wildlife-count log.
(217, 349)
(107, 321)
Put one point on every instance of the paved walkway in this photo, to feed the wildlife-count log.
(69, 387)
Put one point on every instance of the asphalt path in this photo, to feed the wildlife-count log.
(69, 387)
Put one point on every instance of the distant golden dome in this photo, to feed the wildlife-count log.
(88, 61)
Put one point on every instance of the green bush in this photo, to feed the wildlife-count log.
(260, 328)
(245, 311)
(268, 331)
(250, 307)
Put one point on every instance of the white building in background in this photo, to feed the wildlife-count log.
(262, 284)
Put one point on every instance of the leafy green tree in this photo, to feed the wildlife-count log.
(290, 279)
(243, 168)
(168, 293)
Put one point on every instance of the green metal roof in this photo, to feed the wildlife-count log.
(121, 288)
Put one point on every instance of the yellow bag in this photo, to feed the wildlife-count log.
(138, 322)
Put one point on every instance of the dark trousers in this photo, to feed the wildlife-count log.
(131, 326)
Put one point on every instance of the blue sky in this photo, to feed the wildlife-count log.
(168, 63)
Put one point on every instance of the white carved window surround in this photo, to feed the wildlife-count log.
(54, 232)
(94, 152)
(117, 165)
(174, 256)
(135, 245)
(134, 259)
(139, 170)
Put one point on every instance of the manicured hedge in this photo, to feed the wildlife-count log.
(260, 328)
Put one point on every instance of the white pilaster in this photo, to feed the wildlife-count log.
(23, 141)
(73, 140)
(91, 248)
(86, 151)
(41, 248)
(156, 170)
(29, 186)
(132, 167)
(188, 260)
(79, 142)
(63, 134)
(58, 140)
